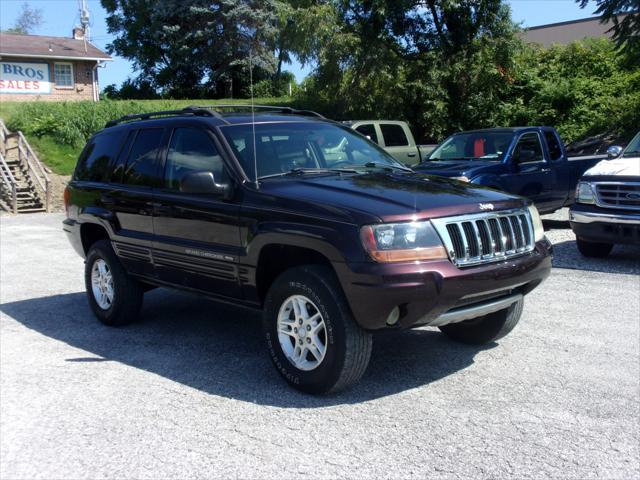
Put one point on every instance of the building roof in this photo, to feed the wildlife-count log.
(40, 46)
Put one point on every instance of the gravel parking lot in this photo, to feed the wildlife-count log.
(189, 391)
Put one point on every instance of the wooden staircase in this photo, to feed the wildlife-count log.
(24, 183)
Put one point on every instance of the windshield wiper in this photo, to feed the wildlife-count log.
(300, 171)
(386, 166)
(632, 152)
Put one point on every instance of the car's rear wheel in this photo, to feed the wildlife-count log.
(486, 329)
(311, 335)
(114, 296)
(593, 249)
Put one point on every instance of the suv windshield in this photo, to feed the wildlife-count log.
(287, 146)
(474, 146)
(633, 149)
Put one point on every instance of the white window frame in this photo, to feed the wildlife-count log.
(55, 76)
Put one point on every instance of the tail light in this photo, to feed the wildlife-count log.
(66, 200)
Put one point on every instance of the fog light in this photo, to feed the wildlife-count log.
(393, 317)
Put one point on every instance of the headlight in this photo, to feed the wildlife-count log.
(402, 242)
(538, 229)
(584, 193)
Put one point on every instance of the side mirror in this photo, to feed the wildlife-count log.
(204, 183)
(614, 151)
(525, 156)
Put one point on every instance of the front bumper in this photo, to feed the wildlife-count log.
(438, 292)
(596, 224)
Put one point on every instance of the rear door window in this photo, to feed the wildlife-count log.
(142, 165)
(393, 135)
(94, 161)
(368, 130)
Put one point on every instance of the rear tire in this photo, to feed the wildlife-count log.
(486, 329)
(114, 296)
(593, 249)
(312, 337)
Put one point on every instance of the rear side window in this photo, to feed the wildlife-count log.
(191, 150)
(393, 135)
(142, 161)
(368, 130)
(93, 164)
(555, 152)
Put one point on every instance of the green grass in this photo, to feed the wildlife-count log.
(58, 130)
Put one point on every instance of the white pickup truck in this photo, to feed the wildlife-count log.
(395, 137)
(607, 205)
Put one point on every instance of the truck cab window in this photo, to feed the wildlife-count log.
(528, 149)
(393, 135)
(368, 130)
(555, 151)
(191, 150)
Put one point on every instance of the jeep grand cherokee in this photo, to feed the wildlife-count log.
(304, 219)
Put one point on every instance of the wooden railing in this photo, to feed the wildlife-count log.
(36, 170)
(9, 183)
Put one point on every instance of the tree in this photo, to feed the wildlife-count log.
(28, 20)
(626, 31)
(194, 48)
(442, 65)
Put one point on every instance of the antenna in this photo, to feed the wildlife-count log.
(84, 17)
(253, 120)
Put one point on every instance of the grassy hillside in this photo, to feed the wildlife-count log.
(59, 130)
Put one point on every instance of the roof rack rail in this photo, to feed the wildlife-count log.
(190, 110)
(275, 108)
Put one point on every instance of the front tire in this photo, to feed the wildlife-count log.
(312, 338)
(114, 296)
(486, 329)
(593, 249)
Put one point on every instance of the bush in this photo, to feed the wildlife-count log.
(72, 123)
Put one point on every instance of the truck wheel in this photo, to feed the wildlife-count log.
(486, 329)
(593, 249)
(114, 296)
(311, 335)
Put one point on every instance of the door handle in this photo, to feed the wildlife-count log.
(545, 170)
(411, 154)
(160, 208)
(107, 200)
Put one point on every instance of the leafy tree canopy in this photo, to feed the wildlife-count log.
(29, 20)
(196, 47)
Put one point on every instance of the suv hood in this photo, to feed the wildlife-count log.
(454, 168)
(387, 196)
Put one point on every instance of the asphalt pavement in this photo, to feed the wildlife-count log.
(189, 391)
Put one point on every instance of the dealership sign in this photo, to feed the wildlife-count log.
(24, 77)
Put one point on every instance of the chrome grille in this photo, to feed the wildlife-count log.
(625, 195)
(486, 237)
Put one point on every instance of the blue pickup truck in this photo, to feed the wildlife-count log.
(527, 161)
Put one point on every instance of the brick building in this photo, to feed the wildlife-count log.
(35, 67)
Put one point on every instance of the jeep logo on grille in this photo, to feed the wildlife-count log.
(486, 206)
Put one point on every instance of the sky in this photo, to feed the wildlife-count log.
(60, 16)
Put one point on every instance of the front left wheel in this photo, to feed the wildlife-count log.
(312, 337)
(114, 296)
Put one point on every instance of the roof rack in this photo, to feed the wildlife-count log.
(191, 110)
(275, 108)
(209, 111)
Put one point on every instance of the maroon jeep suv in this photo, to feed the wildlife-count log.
(303, 219)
